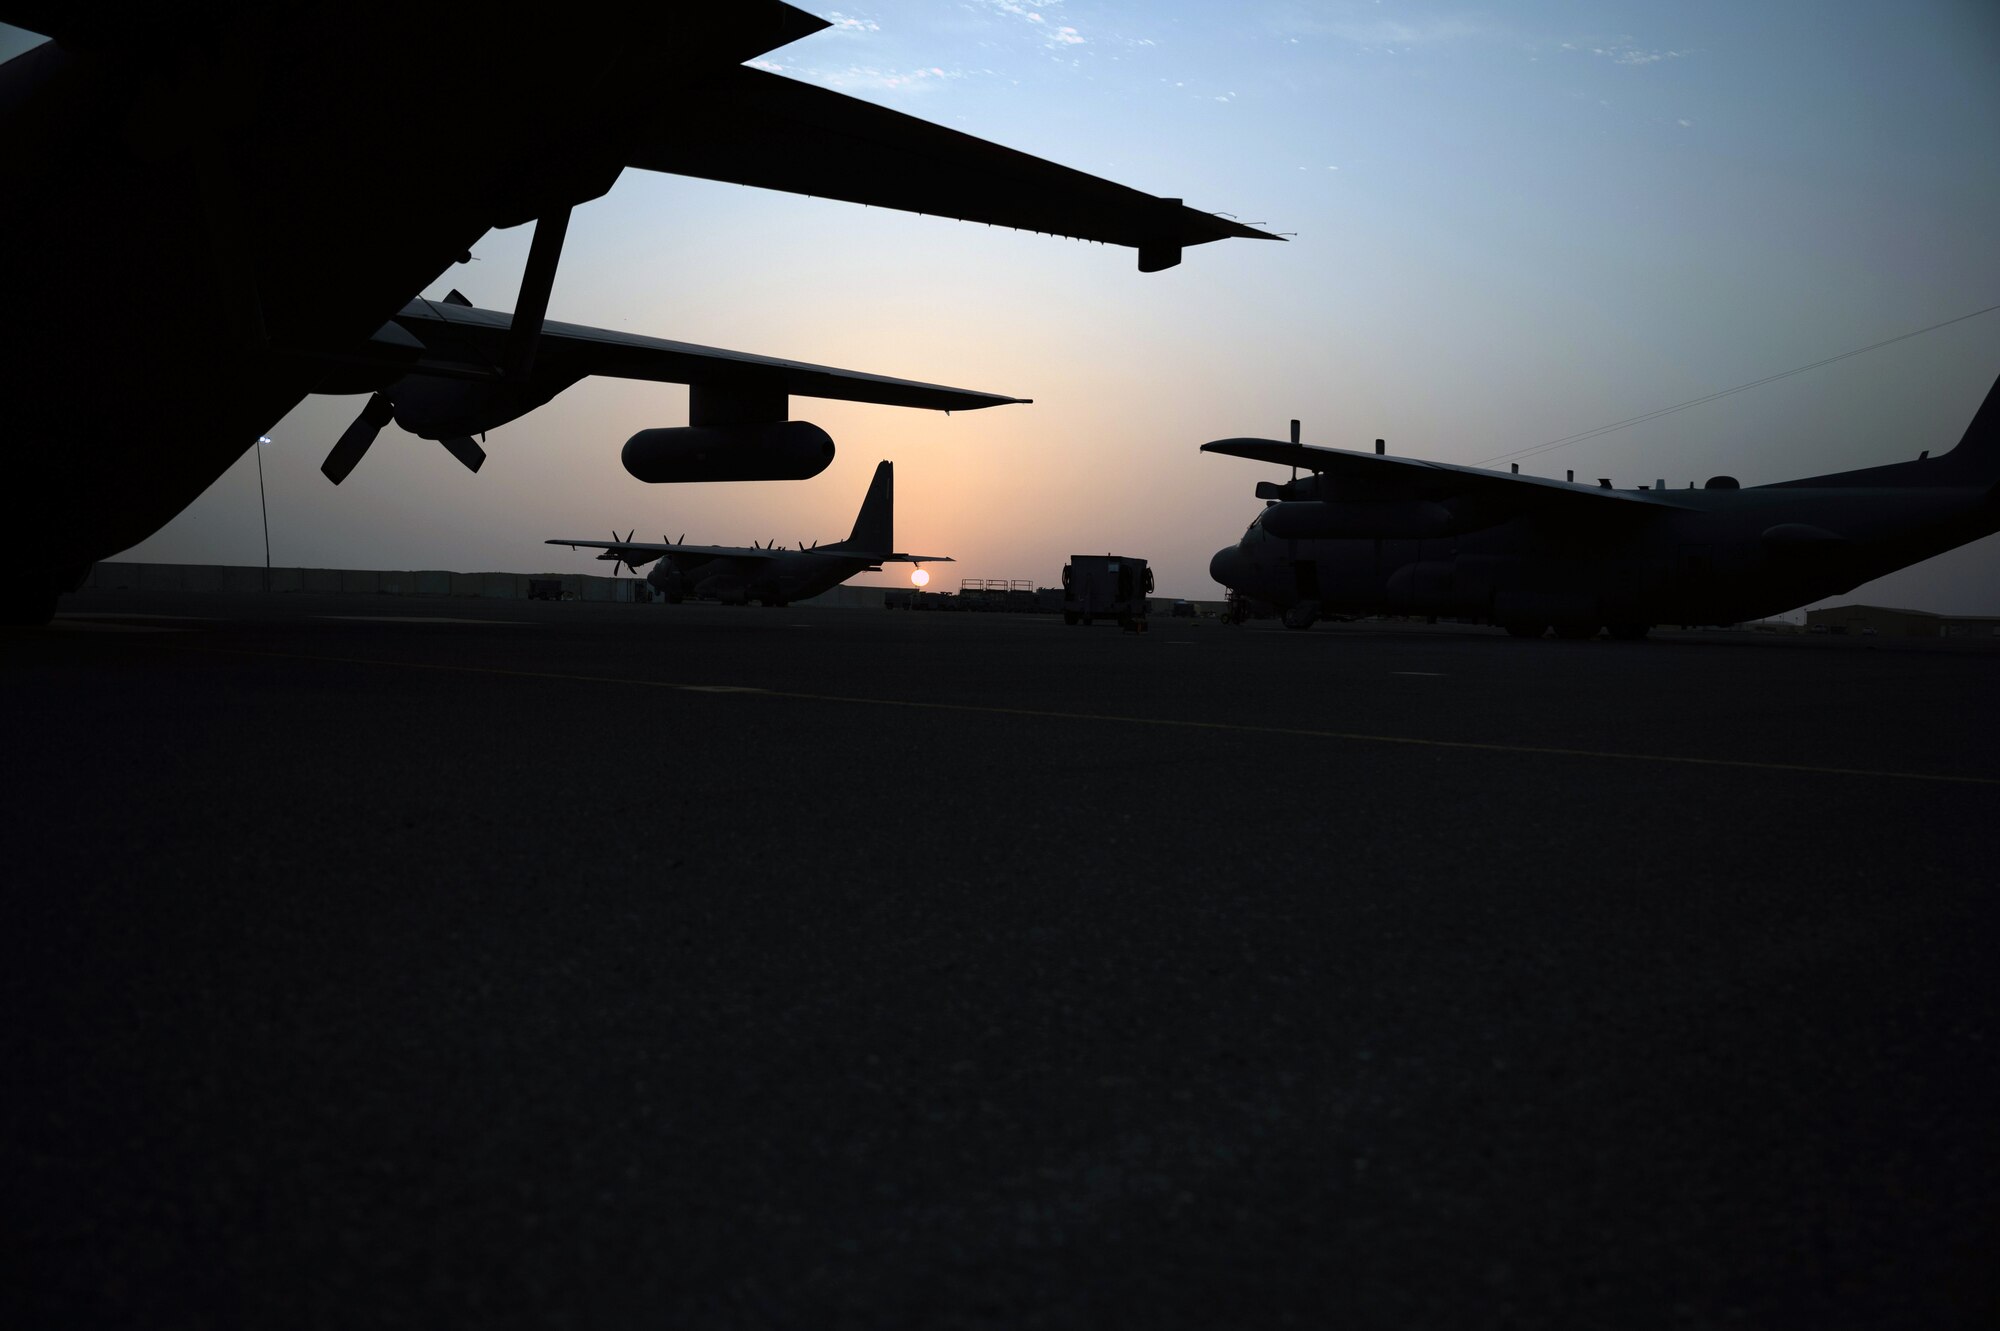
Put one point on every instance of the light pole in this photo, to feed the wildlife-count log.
(262, 511)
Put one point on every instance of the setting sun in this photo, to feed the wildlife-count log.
(920, 577)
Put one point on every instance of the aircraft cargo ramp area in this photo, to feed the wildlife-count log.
(448, 961)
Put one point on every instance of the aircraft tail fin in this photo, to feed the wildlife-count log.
(1974, 461)
(874, 527)
(1977, 455)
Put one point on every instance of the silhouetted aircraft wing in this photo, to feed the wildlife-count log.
(1412, 478)
(477, 339)
(774, 132)
(635, 553)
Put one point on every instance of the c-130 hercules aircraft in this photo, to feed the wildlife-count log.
(218, 207)
(1368, 534)
(738, 574)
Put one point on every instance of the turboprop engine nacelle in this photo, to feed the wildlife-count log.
(777, 451)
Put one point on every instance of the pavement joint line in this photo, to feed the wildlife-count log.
(422, 619)
(1169, 723)
(122, 614)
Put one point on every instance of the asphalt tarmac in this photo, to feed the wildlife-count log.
(388, 962)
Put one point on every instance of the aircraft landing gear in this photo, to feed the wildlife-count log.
(1576, 632)
(1525, 630)
(1302, 615)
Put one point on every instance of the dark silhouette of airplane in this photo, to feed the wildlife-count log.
(1371, 534)
(769, 573)
(217, 208)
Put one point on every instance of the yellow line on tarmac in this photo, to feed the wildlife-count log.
(1227, 727)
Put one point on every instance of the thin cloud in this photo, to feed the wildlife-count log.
(922, 79)
(848, 23)
(1644, 57)
(1623, 51)
(1052, 34)
(1380, 34)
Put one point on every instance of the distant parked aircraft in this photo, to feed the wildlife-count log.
(740, 574)
(1370, 534)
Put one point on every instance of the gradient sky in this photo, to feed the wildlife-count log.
(1508, 224)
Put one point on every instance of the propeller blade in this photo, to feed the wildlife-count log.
(465, 450)
(355, 439)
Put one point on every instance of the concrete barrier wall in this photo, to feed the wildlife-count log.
(114, 575)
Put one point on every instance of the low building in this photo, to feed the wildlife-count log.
(1885, 621)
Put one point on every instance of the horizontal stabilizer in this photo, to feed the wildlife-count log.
(891, 559)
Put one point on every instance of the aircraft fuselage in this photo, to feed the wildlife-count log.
(1710, 556)
(794, 575)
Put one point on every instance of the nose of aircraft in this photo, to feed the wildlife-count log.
(1227, 567)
